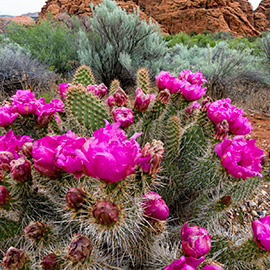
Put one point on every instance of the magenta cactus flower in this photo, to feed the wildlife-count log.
(63, 87)
(13, 143)
(24, 101)
(191, 92)
(196, 241)
(4, 196)
(261, 231)
(106, 213)
(211, 267)
(108, 155)
(80, 248)
(194, 106)
(142, 100)
(44, 155)
(50, 262)
(21, 169)
(224, 110)
(154, 206)
(110, 101)
(75, 197)
(192, 78)
(98, 90)
(161, 79)
(240, 157)
(65, 157)
(7, 115)
(123, 115)
(185, 263)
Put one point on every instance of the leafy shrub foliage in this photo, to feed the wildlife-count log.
(51, 43)
(120, 43)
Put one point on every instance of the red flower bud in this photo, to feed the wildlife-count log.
(50, 262)
(4, 196)
(14, 259)
(75, 197)
(106, 213)
(205, 103)
(35, 230)
(5, 159)
(21, 169)
(120, 97)
(222, 130)
(27, 149)
(164, 96)
(80, 248)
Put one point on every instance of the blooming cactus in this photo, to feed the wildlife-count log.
(196, 241)
(185, 263)
(192, 78)
(123, 115)
(154, 206)
(191, 92)
(165, 80)
(98, 90)
(240, 157)
(7, 115)
(110, 149)
(261, 231)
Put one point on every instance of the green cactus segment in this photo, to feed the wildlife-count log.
(172, 140)
(245, 256)
(143, 80)
(84, 76)
(114, 85)
(8, 228)
(157, 110)
(208, 126)
(86, 108)
(53, 125)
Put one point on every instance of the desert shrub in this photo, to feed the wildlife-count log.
(18, 70)
(120, 43)
(51, 43)
(222, 66)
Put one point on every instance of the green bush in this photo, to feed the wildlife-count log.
(51, 43)
(119, 44)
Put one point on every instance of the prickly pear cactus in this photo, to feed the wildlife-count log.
(98, 180)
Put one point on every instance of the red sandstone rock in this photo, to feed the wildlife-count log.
(264, 8)
(174, 16)
(25, 20)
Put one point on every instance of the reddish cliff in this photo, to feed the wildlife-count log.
(174, 16)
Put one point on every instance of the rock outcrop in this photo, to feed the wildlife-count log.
(263, 13)
(174, 16)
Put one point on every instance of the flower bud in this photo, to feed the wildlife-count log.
(5, 158)
(154, 206)
(110, 101)
(164, 96)
(27, 149)
(106, 213)
(205, 103)
(120, 97)
(14, 259)
(80, 248)
(196, 241)
(4, 196)
(155, 153)
(227, 200)
(222, 130)
(75, 197)
(142, 100)
(50, 262)
(35, 230)
(21, 169)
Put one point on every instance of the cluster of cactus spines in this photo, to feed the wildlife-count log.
(143, 80)
(114, 85)
(69, 223)
(86, 108)
(84, 76)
